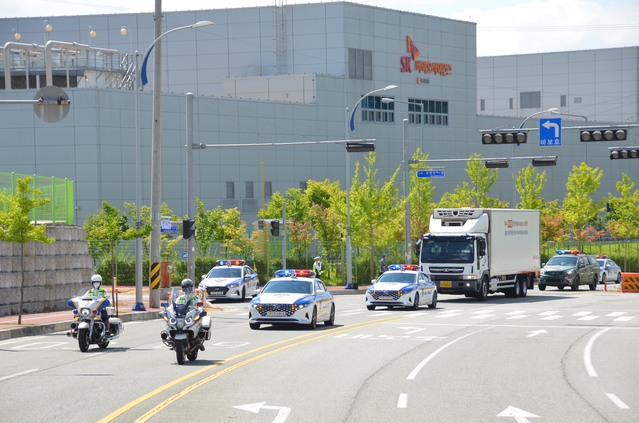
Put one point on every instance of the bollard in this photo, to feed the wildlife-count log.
(630, 282)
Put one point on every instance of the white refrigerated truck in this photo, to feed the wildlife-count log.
(476, 252)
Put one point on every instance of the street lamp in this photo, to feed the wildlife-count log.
(47, 28)
(351, 127)
(156, 157)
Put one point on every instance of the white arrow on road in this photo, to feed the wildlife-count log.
(536, 332)
(548, 124)
(519, 414)
(282, 413)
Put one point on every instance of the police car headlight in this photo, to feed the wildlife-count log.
(233, 285)
(256, 304)
(85, 312)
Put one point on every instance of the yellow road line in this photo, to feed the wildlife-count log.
(174, 398)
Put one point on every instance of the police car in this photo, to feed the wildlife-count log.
(293, 296)
(230, 279)
(403, 285)
(609, 271)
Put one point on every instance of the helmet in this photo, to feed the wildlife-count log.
(384, 255)
(187, 286)
(317, 258)
(96, 281)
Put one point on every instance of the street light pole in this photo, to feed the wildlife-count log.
(406, 193)
(156, 146)
(190, 206)
(349, 240)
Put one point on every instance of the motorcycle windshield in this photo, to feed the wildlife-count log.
(180, 302)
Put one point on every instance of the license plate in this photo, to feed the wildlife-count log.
(446, 284)
(276, 313)
(386, 298)
(215, 293)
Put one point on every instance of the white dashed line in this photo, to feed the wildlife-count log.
(402, 401)
(617, 401)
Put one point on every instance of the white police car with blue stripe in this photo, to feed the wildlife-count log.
(403, 285)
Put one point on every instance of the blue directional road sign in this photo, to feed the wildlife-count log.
(185, 255)
(167, 228)
(430, 173)
(549, 132)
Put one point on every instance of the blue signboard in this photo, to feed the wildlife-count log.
(167, 228)
(549, 132)
(430, 173)
(185, 255)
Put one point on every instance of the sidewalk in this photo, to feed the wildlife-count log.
(56, 321)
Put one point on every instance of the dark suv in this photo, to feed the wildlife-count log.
(569, 268)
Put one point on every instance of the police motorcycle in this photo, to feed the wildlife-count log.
(187, 325)
(93, 323)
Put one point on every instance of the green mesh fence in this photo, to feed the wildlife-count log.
(60, 191)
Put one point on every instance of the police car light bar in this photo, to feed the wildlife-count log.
(601, 256)
(567, 251)
(293, 273)
(403, 267)
(230, 262)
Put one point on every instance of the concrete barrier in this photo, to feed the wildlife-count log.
(630, 282)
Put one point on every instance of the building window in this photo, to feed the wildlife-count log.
(248, 189)
(428, 112)
(577, 99)
(230, 190)
(303, 185)
(482, 104)
(530, 100)
(360, 64)
(375, 110)
(510, 103)
(268, 189)
(562, 101)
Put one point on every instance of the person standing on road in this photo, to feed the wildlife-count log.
(382, 264)
(317, 266)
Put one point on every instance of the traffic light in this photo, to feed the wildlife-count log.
(624, 153)
(275, 228)
(496, 164)
(359, 147)
(603, 134)
(260, 225)
(188, 228)
(504, 137)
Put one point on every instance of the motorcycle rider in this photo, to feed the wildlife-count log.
(98, 291)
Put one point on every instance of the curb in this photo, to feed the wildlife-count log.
(62, 326)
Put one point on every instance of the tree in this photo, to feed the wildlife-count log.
(376, 210)
(421, 196)
(552, 224)
(466, 195)
(207, 223)
(326, 201)
(623, 217)
(16, 226)
(110, 226)
(233, 235)
(529, 186)
(579, 209)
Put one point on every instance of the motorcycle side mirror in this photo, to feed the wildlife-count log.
(164, 304)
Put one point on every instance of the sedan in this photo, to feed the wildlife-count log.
(293, 296)
(609, 271)
(403, 285)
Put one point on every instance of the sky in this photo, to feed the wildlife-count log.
(503, 26)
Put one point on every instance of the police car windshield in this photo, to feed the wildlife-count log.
(562, 261)
(288, 287)
(225, 272)
(397, 277)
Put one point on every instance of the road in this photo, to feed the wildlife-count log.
(554, 356)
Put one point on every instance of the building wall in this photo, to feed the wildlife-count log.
(602, 85)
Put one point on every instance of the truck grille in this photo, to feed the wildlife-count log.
(380, 294)
(286, 308)
(446, 269)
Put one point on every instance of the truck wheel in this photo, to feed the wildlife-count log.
(575, 284)
(515, 291)
(523, 290)
(483, 291)
(541, 287)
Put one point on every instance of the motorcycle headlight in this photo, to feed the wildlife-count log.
(85, 312)
(188, 321)
(172, 321)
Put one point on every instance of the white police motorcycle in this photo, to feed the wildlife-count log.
(187, 325)
(88, 326)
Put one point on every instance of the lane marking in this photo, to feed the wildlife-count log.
(617, 401)
(402, 401)
(18, 374)
(419, 367)
(20, 340)
(588, 353)
(190, 388)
